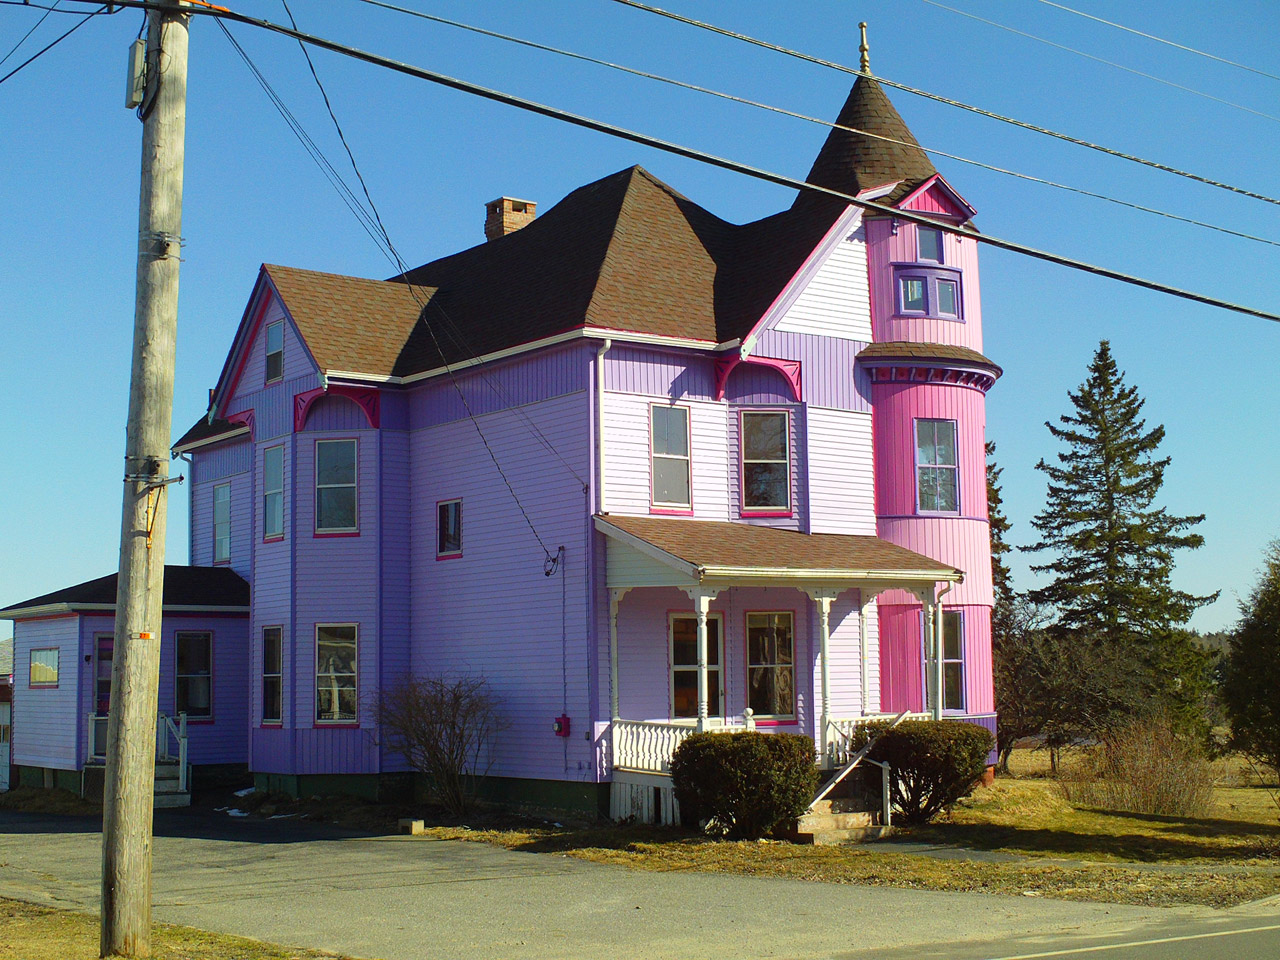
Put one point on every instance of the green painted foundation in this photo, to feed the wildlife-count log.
(47, 778)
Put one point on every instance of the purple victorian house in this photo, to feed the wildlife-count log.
(643, 470)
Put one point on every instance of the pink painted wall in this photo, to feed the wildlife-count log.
(884, 248)
(901, 656)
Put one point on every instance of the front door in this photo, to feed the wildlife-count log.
(684, 666)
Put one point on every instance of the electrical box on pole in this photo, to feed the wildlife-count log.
(137, 85)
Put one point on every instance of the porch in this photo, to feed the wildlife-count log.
(173, 770)
(728, 626)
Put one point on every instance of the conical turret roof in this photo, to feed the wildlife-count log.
(851, 162)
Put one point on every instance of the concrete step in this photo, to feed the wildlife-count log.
(812, 822)
(839, 805)
(175, 799)
(827, 837)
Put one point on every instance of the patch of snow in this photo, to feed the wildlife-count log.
(236, 813)
(245, 792)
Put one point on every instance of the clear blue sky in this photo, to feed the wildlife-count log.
(69, 151)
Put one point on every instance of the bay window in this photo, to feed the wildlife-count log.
(336, 672)
(336, 486)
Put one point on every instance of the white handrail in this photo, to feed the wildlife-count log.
(857, 759)
(647, 746)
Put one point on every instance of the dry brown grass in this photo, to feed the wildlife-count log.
(29, 932)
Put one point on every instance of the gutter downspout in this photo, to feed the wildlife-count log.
(937, 650)
(601, 503)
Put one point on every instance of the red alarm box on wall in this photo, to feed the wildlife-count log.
(561, 726)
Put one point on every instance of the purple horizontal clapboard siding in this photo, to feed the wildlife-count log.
(273, 406)
(47, 720)
(539, 376)
(397, 502)
(493, 612)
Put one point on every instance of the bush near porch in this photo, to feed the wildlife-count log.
(742, 785)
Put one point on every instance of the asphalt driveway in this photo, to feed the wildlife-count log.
(401, 898)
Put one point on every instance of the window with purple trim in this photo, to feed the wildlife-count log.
(222, 523)
(272, 675)
(928, 291)
(193, 690)
(669, 445)
(336, 486)
(771, 688)
(336, 672)
(937, 487)
(953, 661)
(275, 351)
(449, 528)
(766, 461)
(273, 492)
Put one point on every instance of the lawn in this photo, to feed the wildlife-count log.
(28, 932)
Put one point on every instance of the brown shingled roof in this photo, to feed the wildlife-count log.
(202, 430)
(906, 350)
(712, 544)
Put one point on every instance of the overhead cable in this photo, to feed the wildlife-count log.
(23, 39)
(690, 153)
(45, 49)
(1152, 36)
(1102, 60)
(810, 119)
(947, 100)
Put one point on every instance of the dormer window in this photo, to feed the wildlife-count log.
(928, 245)
(275, 351)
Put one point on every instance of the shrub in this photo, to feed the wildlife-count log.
(934, 762)
(743, 784)
(445, 728)
(1146, 767)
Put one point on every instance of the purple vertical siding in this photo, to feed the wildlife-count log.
(47, 720)
(335, 413)
(661, 374)
(753, 383)
(828, 373)
(644, 657)
(492, 612)
(297, 359)
(548, 373)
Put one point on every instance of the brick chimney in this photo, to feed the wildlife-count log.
(507, 215)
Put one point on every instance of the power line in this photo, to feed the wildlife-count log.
(43, 17)
(810, 119)
(947, 100)
(690, 153)
(1103, 60)
(1152, 36)
(42, 51)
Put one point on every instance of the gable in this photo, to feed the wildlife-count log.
(252, 374)
(935, 196)
(836, 299)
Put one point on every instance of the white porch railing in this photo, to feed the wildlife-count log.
(840, 734)
(643, 746)
(171, 742)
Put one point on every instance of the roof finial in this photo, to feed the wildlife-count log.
(864, 51)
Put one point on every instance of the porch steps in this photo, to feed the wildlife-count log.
(837, 820)
(168, 786)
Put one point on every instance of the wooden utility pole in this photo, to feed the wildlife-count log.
(128, 795)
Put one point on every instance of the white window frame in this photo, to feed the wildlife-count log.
(719, 668)
(784, 509)
(276, 329)
(222, 537)
(178, 677)
(956, 616)
(953, 467)
(354, 485)
(277, 674)
(355, 675)
(442, 553)
(272, 495)
(56, 667)
(782, 717)
(687, 459)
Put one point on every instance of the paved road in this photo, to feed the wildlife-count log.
(399, 898)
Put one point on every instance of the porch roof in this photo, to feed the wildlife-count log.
(186, 590)
(709, 550)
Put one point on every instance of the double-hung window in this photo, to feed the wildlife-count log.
(193, 692)
(272, 674)
(336, 672)
(222, 523)
(336, 486)
(275, 351)
(953, 660)
(766, 461)
(669, 439)
(273, 492)
(771, 689)
(937, 487)
(449, 528)
(684, 667)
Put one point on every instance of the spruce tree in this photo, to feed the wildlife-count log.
(1113, 548)
(1001, 579)
(1252, 671)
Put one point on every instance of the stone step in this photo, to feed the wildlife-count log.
(812, 822)
(839, 805)
(175, 799)
(831, 837)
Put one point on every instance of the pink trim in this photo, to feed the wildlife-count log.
(772, 720)
(334, 725)
(937, 180)
(749, 512)
(273, 725)
(252, 332)
(788, 368)
(743, 510)
(328, 536)
(670, 512)
(448, 554)
(654, 507)
(368, 399)
(276, 538)
(244, 418)
(778, 723)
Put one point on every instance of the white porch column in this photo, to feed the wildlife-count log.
(615, 599)
(823, 598)
(866, 597)
(933, 662)
(702, 606)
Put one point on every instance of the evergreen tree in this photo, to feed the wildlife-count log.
(1252, 670)
(1001, 579)
(1113, 548)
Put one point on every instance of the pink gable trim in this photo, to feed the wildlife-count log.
(244, 418)
(367, 398)
(788, 368)
(945, 200)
